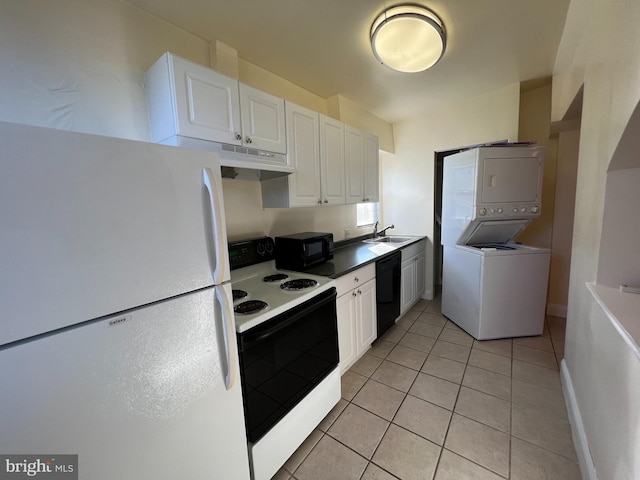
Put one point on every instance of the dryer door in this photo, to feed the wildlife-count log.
(492, 231)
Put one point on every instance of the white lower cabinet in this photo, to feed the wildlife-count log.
(356, 308)
(412, 277)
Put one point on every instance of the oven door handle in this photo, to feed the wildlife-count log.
(258, 334)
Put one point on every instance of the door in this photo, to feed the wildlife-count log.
(263, 122)
(354, 164)
(332, 161)
(512, 179)
(371, 168)
(366, 316)
(304, 155)
(207, 103)
(94, 225)
(408, 284)
(346, 312)
(143, 394)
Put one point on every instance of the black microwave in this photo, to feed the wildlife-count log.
(303, 250)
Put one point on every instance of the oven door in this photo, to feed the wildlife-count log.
(284, 358)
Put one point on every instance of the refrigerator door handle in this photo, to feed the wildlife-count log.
(230, 346)
(218, 225)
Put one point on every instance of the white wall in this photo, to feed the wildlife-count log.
(600, 50)
(408, 176)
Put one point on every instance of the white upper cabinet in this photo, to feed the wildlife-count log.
(354, 164)
(263, 120)
(361, 166)
(301, 188)
(371, 168)
(332, 161)
(188, 102)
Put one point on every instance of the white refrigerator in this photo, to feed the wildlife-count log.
(117, 341)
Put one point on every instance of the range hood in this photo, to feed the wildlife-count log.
(239, 162)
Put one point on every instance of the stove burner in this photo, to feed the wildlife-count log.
(239, 294)
(250, 306)
(299, 284)
(276, 277)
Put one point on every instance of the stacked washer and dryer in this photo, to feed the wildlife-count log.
(493, 287)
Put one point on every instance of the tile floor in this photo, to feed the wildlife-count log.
(430, 402)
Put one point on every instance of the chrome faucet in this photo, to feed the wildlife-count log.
(382, 232)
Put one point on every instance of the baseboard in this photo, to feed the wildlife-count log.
(555, 310)
(427, 295)
(580, 443)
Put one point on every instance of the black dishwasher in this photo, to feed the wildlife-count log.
(388, 272)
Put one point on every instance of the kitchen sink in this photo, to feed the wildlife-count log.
(389, 239)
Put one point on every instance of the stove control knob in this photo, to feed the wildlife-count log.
(260, 249)
(534, 209)
(269, 247)
(482, 211)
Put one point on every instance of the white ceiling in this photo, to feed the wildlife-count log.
(323, 45)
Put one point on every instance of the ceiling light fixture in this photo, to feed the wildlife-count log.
(408, 38)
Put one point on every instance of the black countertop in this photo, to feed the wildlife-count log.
(352, 254)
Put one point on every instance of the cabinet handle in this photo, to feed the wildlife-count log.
(359, 292)
(248, 140)
(238, 136)
(326, 201)
(319, 202)
(353, 294)
(357, 279)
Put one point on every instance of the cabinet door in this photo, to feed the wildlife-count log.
(354, 164)
(419, 265)
(207, 103)
(367, 328)
(304, 156)
(263, 124)
(346, 311)
(407, 285)
(371, 168)
(332, 161)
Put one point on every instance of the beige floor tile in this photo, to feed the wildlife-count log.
(499, 347)
(330, 460)
(351, 383)
(444, 368)
(380, 399)
(529, 462)
(359, 430)
(547, 401)
(484, 408)
(407, 455)
(332, 415)
(282, 475)
(434, 307)
(412, 314)
(393, 335)
(366, 365)
(558, 345)
(487, 382)
(381, 349)
(479, 443)
(405, 323)
(452, 351)
(407, 357)
(452, 326)
(541, 343)
(432, 319)
(550, 433)
(435, 390)
(395, 376)
(541, 376)
(425, 329)
(417, 342)
(534, 356)
(454, 336)
(303, 450)
(455, 467)
(423, 418)
(374, 472)
(490, 361)
(557, 326)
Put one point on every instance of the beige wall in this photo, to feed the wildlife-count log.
(408, 176)
(600, 50)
